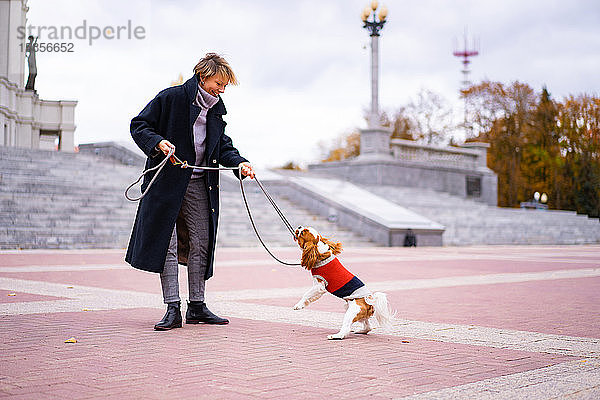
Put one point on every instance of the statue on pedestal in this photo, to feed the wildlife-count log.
(30, 51)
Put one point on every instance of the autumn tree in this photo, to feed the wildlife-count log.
(401, 123)
(541, 152)
(426, 119)
(538, 144)
(343, 147)
(430, 116)
(579, 127)
(501, 114)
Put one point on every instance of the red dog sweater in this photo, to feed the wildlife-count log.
(339, 281)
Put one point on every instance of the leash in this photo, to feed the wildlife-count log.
(184, 164)
(285, 221)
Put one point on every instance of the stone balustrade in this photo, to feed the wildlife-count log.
(453, 157)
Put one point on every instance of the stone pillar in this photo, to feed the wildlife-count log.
(375, 143)
(25, 108)
(12, 43)
(481, 149)
(374, 113)
(67, 127)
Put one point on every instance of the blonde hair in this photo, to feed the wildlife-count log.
(213, 64)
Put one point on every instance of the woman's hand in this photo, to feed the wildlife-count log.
(247, 169)
(165, 146)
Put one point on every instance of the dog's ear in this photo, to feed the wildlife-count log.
(335, 247)
(311, 234)
(309, 255)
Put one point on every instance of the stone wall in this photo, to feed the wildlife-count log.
(385, 224)
(458, 171)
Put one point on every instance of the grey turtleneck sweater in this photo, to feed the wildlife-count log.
(205, 101)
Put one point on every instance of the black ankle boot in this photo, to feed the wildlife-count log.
(197, 312)
(172, 318)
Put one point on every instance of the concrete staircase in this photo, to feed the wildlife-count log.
(61, 200)
(67, 201)
(239, 232)
(469, 222)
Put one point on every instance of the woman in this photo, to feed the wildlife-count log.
(176, 221)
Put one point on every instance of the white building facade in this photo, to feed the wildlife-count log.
(25, 119)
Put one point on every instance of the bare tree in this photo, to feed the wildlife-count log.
(430, 116)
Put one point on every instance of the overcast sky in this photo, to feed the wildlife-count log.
(304, 65)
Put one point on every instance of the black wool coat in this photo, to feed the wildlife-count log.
(171, 116)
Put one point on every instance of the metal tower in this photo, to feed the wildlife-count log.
(466, 53)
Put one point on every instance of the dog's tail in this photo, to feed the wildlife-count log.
(383, 313)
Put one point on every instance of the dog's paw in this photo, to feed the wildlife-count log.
(299, 306)
(361, 331)
(335, 337)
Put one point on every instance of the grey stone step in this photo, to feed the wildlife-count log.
(54, 223)
(62, 241)
(470, 222)
(267, 220)
(59, 200)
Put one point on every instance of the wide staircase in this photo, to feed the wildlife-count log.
(239, 230)
(63, 200)
(469, 222)
(67, 201)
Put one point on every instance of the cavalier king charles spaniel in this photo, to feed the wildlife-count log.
(329, 275)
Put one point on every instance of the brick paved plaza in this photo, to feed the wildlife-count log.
(475, 322)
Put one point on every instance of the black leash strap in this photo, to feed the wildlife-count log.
(285, 221)
(176, 161)
(279, 212)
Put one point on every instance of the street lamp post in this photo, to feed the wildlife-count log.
(375, 139)
(374, 25)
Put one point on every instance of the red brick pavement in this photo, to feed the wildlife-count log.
(61, 257)
(562, 307)
(118, 355)
(119, 279)
(272, 275)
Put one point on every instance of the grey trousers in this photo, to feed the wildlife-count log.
(194, 210)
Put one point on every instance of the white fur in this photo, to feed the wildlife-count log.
(313, 294)
(351, 313)
(366, 327)
(383, 312)
(322, 247)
